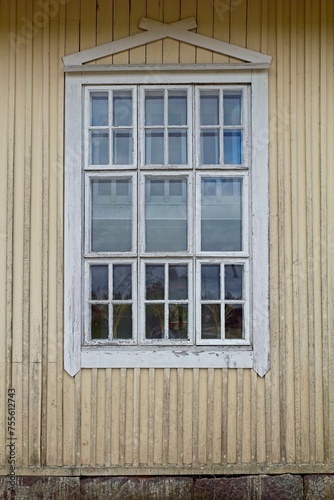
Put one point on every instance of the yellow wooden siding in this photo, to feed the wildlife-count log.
(168, 420)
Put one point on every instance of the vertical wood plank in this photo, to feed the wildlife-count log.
(108, 419)
(158, 416)
(121, 28)
(69, 430)
(115, 416)
(188, 441)
(171, 48)
(144, 416)
(173, 418)
(188, 52)
(87, 24)
(154, 50)
(232, 416)
(165, 415)
(210, 417)
(101, 418)
(246, 418)
(122, 416)
(104, 20)
(239, 414)
(136, 416)
(180, 412)
(151, 399)
(221, 26)
(137, 11)
(202, 416)
(224, 411)
(204, 27)
(86, 416)
(129, 418)
(93, 417)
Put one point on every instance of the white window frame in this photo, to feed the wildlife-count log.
(255, 355)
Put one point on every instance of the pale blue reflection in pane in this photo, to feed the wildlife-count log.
(209, 147)
(233, 282)
(122, 109)
(99, 102)
(177, 108)
(221, 216)
(209, 104)
(100, 148)
(166, 218)
(154, 108)
(210, 282)
(232, 147)
(111, 218)
(99, 282)
(154, 146)
(122, 282)
(122, 147)
(232, 108)
(177, 147)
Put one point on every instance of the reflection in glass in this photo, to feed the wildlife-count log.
(233, 282)
(155, 320)
(122, 321)
(111, 218)
(122, 283)
(209, 147)
(210, 282)
(99, 282)
(177, 108)
(157, 187)
(209, 103)
(100, 148)
(211, 321)
(166, 219)
(178, 282)
(232, 147)
(122, 109)
(154, 108)
(233, 321)
(178, 321)
(155, 282)
(154, 147)
(99, 103)
(99, 321)
(232, 108)
(221, 221)
(122, 147)
(177, 147)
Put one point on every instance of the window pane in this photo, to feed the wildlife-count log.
(122, 321)
(232, 147)
(177, 147)
(99, 102)
(122, 146)
(155, 321)
(154, 108)
(100, 148)
(122, 282)
(154, 147)
(233, 321)
(209, 103)
(177, 108)
(210, 282)
(99, 282)
(155, 282)
(211, 322)
(222, 216)
(209, 147)
(178, 321)
(111, 218)
(166, 219)
(122, 109)
(233, 282)
(99, 321)
(178, 282)
(232, 108)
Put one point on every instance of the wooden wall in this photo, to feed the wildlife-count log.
(153, 420)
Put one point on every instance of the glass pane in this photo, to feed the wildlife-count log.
(210, 282)
(154, 108)
(99, 282)
(178, 321)
(209, 103)
(209, 147)
(122, 146)
(177, 147)
(233, 282)
(122, 282)
(233, 321)
(99, 102)
(100, 321)
(222, 216)
(155, 282)
(154, 147)
(178, 282)
(166, 219)
(177, 108)
(122, 109)
(211, 323)
(155, 321)
(232, 147)
(111, 218)
(122, 321)
(232, 108)
(100, 148)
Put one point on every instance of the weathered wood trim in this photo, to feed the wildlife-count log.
(126, 68)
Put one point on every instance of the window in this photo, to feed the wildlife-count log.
(166, 234)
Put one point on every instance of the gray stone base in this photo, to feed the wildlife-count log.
(260, 487)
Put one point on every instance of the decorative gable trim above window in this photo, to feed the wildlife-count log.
(166, 209)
